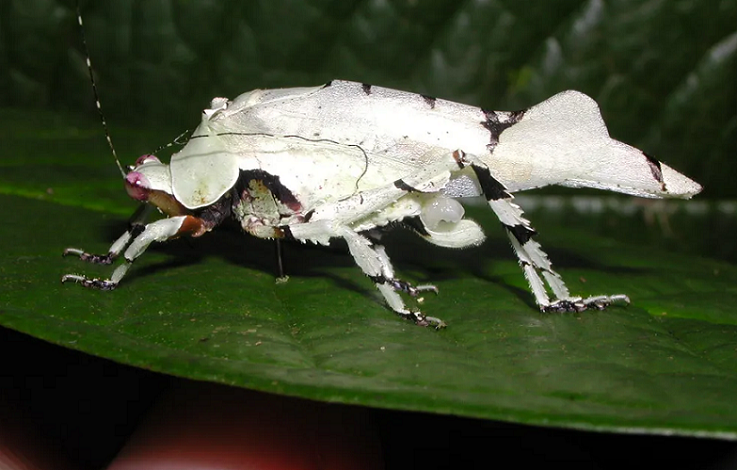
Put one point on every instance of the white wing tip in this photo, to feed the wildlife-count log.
(678, 185)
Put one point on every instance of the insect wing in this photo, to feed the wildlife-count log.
(387, 124)
(564, 140)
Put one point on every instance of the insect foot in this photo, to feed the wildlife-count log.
(89, 257)
(599, 302)
(423, 320)
(404, 286)
(389, 286)
(102, 284)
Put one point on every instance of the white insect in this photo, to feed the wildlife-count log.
(343, 159)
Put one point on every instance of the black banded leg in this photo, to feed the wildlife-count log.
(374, 262)
(93, 283)
(335, 219)
(158, 231)
(532, 258)
(135, 227)
(403, 286)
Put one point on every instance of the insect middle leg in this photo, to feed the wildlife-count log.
(374, 262)
(336, 219)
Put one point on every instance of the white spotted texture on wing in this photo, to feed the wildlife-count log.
(462, 184)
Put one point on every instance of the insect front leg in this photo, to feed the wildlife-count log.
(137, 241)
(136, 224)
(531, 257)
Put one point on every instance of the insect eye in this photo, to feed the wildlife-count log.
(137, 186)
(146, 159)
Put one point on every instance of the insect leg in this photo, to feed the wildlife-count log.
(374, 262)
(135, 227)
(158, 231)
(335, 219)
(531, 257)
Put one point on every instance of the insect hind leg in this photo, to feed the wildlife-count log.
(534, 261)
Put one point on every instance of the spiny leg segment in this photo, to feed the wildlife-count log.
(532, 258)
(374, 262)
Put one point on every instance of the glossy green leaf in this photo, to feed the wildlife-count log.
(210, 308)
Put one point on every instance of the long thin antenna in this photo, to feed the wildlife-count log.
(94, 90)
(179, 140)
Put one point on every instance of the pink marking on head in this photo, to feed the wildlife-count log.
(146, 159)
(137, 186)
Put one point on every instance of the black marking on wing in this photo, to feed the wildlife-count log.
(494, 123)
(400, 184)
(330, 83)
(655, 169)
(280, 192)
(516, 116)
(492, 188)
(521, 232)
(366, 88)
(430, 100)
